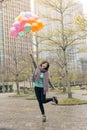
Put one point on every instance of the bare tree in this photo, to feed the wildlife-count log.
(60, 34)
(19, 65)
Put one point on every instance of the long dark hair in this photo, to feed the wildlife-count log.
(43, 62)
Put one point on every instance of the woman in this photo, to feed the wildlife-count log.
(41, 80)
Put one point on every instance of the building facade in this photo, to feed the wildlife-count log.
(82, 67)
(10, 46)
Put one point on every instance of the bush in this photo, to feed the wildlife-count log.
(8, 88)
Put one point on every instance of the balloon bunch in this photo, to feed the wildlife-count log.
(25, 23)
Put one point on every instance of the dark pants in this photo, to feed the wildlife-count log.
(41, 97)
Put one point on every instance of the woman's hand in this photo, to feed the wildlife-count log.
(30, 52)
(53, 87)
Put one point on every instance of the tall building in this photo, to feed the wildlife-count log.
(9, 10)
(73, 57)
(82, 67)
(1, 34)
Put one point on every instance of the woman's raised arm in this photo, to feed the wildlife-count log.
(33, 61)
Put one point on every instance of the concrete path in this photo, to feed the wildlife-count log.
(22, 114)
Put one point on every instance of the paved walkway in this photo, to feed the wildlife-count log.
(22, 114)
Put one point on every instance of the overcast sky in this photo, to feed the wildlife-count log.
(84, 2)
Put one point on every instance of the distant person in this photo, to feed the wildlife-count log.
(41, 80)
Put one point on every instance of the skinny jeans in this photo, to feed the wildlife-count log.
(41, 98)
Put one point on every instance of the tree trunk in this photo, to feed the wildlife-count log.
(17, 84)
(64, 42)
(18, 91)
(24, 88)
(3, 83)
(67, 84)
(64, 89)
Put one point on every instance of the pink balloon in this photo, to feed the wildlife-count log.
(13, 32)
(17, 26)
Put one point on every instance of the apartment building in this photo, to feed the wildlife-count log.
(9, 46)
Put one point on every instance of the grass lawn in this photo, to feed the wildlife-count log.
(30, 95)
(75, 88)
(60, 91)
(72, 101)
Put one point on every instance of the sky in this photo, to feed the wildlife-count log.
(84, 3)
(32, 5)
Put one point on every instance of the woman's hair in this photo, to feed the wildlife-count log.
(43, 62)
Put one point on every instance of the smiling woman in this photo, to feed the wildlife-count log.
(84, 3)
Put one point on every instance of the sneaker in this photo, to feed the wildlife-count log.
(55, 100)
(44, 118)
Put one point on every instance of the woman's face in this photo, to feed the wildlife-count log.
(44, 66)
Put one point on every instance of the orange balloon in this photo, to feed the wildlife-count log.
(19, 18)
(34, 27)
(31, 20)
(40, 24)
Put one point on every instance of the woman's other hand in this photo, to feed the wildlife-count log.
(30, 52)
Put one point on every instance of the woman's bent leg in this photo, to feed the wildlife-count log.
(44, 99)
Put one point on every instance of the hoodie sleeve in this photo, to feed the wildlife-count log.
(33, 61)
(51, 85)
